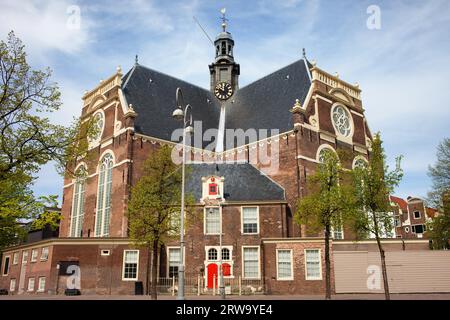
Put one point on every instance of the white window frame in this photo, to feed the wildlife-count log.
(99, 228)
(320, 265)
(12, 287)
(257, 220)
(291, 262)
(123, 265)
(29, 282)
(77, 212)
(322, 147)
(3, 265)
(414, 215)
(34, 255)
(356, 159)
(44, 249)
(25, 257)
(219, 257)
(39, 284)
(167, 255)
(204, 220)
(243, 263)
(332, 232)
(15, 258)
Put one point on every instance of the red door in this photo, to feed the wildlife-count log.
(212, 271)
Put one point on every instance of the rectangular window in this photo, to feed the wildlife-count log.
(130, 264)
(418, 229)
(24, 257)
(174, 261)
(41, 284)
(397, 221)
(175, 224)
(284, 265)
(15, 258)
(212, 221)
(44, 253)
(31, 284)
(6, 266)
(34, 255)
(313, 265)
(251, 262)
(416, 214)
(337, 233)
(250, 220)
(12, 285)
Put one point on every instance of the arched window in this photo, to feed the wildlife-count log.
(76, 221)
(212, 254)
(104, 197)
(225, 254)
(359, 162)
(99, 122)
(224, 48)
(323, 151)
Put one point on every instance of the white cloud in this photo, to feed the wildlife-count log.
(43, 27)
(403, 68)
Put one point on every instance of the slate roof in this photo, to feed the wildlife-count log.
(242, 182)
(263, 104)
(152, 95)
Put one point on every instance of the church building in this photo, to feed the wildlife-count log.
(252, 149)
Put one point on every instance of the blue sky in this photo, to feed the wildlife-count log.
(402, 68)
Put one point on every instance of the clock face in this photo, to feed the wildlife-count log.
(223, 90)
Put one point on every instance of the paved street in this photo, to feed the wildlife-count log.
(434, 296)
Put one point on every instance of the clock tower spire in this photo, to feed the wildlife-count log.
(224, 70)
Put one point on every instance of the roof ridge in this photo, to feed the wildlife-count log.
(273, 72)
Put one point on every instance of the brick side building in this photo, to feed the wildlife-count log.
(411, 217)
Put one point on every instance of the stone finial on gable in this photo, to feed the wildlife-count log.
(298, 114)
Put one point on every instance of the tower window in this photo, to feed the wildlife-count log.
(224, 47)
(217, 50)
(229, 49)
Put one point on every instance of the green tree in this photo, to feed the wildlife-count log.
(27, 138)
(439, 197)
(327, 205)
(373, 184)
(154, 208)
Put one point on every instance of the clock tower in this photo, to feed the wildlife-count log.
(224, 71)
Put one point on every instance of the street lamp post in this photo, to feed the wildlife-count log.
(222, 284)
(180, 114)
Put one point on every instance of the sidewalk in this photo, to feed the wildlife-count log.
(418, 296)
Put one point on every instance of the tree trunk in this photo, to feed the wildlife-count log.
(155, 269)
(383, 268)
(147, 274)
(327, 263)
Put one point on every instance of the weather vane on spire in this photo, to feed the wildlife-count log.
(224, 20)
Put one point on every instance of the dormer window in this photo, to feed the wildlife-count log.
(212, 188)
